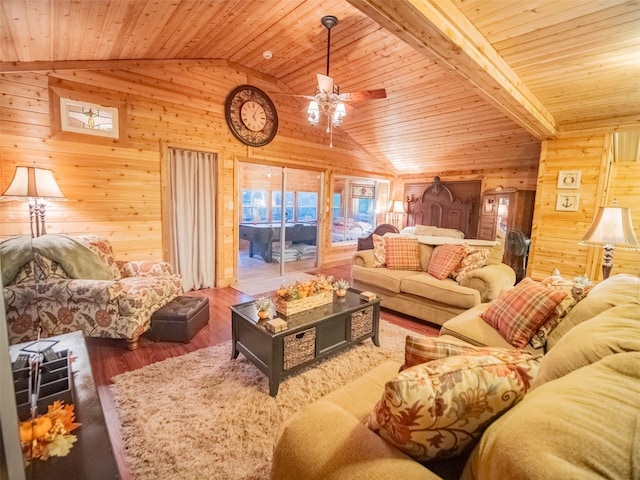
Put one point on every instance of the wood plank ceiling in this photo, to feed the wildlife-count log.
(486, 76)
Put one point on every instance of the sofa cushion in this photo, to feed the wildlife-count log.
(613, 331)
(445, 291)
(437, 409)
(419, 349)
(425, 252)
(402, 253)
(444, 260)
(518, 312)
(379, 251)
(380, 277)
(473, 259)
(585, 425)
(616, 290)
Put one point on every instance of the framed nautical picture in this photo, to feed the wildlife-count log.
(567, 202)
(569, 179)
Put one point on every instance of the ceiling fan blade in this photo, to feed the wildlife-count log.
(325, 83)
(364, 95)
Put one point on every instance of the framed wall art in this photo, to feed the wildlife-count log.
(567, 202)
(569, 179)
(80, 116)
(363, 191)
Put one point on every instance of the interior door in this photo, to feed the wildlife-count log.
(279, 220)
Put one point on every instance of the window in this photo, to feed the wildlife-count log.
(307, 209)
(254, 206)
(276, 206)
(357, 208)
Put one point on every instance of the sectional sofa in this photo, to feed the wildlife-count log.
(577, 414)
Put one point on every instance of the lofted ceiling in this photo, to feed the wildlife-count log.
(493, 77)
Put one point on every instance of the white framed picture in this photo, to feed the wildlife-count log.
(569, 179)
(567, 202)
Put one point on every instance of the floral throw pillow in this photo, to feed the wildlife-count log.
(473, 259)
(379, 251)
(575, 292)
(402, 253)
(444, 260)
(519, 312)
(436, 410)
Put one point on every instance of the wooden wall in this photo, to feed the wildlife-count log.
(114, 188)
(555, 233)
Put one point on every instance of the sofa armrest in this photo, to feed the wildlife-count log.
(363, 258)
(139, 268)
(324, 442)
(490, 280)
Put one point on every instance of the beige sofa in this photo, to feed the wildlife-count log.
(63, 283)
(580, 419)
(423, 296)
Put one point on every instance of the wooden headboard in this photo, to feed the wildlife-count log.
(437, 206)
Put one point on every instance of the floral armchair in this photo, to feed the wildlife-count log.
(67, 283)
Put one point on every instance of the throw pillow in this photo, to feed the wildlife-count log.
(423, 230)
(518, 312)
(436, 410)
(473, 259)
(101, 247)
(420, 349)
(379, 251)
(444, 260)
(402, 253)
(447, 232)
(575, 293)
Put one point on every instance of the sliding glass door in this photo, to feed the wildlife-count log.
(279, 220)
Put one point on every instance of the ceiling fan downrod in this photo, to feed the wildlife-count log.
(329, 21)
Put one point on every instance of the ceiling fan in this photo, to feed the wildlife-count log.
(328, 100)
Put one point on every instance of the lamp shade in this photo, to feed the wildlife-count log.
(612, 226)
(397, 206)
(33, 182)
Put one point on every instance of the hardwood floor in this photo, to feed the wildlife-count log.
(110, 358)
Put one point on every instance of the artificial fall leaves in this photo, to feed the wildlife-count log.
(56, 441)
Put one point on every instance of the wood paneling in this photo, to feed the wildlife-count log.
(471, 84)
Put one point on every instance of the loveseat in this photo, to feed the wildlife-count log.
(419, 291)
(577, 415)
(63, 283)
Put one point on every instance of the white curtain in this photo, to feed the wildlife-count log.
(193, 217)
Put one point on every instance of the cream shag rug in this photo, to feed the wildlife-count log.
(203, 415)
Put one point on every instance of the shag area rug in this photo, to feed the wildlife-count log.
(203, 415)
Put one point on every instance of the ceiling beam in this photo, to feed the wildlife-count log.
(440, 32)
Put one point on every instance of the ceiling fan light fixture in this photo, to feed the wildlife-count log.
(314, 113)
(339, 114)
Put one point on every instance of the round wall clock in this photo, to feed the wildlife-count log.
(251, 115)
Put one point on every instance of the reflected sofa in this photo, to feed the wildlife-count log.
(63, 283)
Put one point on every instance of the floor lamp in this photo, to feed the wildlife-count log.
(36, 184)
(611, 228)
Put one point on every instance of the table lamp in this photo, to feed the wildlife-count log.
(611, 228)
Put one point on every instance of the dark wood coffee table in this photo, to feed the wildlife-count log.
(311, 335)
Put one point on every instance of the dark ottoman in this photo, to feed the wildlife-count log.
(180, 319)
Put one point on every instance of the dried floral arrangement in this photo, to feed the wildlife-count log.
(318, 285)
(48, 435)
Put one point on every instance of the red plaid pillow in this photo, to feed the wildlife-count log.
(518, 312)
(402, 253)
(444, 260)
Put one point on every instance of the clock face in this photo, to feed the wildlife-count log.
(251, 116)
